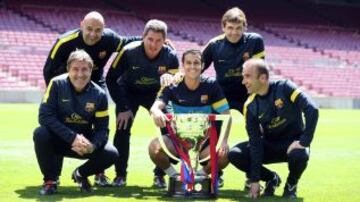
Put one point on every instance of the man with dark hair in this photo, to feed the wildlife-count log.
(276, 130)
(194, 94)
(73, 123)
(92, 36)
(134, 80)
(228, 52)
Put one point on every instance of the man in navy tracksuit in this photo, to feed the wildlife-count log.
(74, 123)
(194, 94)
(99, 42)
(229, 51)
(134, 80)
(276, 130)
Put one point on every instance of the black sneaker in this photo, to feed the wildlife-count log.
(220, 181)
(290, 191)
(159, 182)
(271, 185)
(49, 188)
(101, 180)
(83, 182)
(119, 181)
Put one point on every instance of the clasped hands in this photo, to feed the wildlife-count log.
(81, 145)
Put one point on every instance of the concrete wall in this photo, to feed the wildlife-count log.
(34, 96)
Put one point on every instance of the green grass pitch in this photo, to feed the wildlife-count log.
(332, 174)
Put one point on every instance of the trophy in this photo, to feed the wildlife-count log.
(189, 133)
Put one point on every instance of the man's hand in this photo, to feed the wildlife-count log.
(224, 149)
(169, 43)
(294, 145)
(79, 144)
(159, 118)
(166, 79)
(179, 76)
(124, 118)
(254, 191)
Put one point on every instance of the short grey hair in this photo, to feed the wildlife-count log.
(79, 55)
(156, 26)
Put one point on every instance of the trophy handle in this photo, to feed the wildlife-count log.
(163, 145)
(218, 117)
(225, 118)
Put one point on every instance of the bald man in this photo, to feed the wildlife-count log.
(92, 36)
(277, 132)
(98, 42)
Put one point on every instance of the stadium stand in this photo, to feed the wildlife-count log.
(308, 47)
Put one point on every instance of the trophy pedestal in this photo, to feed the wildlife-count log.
(202, 188)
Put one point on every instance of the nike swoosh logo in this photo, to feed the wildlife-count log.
(135, 67)
(261, 115)
(65, 100)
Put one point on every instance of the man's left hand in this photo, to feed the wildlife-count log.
(166, 79)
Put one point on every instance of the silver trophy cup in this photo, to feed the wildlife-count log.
(193, 129)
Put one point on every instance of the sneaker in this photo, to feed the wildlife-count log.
(220, 181)
(271, 185)
(83, 182)
(49, 188)
(290, 191)
(102, 180)
(119, 181)
(247, 185)
(159, 181)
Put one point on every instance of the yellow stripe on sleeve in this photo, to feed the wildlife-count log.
(100, 114)
(131, 45)
(219, 103)
(248, 101)
(294, 95)
(47, 93)
(259, 55)
(173, 71)
(117, 59)
(119, 46)
(62, 41)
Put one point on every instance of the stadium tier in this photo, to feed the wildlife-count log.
(321, 57)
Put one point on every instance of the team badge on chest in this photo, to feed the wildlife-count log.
(279, 103)
(102, 54)
(90, 107)
(246, 56)
(162, 69)
(204, 99)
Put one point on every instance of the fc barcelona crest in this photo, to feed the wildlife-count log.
(204, 99)
(246, 56)
(90, 107)
(162, 69)
(102, 54)
(279, 103)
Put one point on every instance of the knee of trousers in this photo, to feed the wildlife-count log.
(298, 155)
(41, 135)
(238, 156)
(109, 153)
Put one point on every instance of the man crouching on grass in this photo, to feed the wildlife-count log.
(74, 122)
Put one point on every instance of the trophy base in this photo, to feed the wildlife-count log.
(202, 188)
